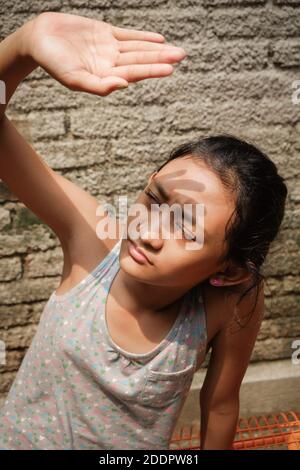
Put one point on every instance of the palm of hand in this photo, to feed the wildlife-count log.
(95, 56)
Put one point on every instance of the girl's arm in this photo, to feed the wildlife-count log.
(83, 55)
(15, 64)
(231, 353)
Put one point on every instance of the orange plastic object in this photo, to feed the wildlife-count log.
(271, 431)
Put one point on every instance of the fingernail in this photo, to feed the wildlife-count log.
(122, 86)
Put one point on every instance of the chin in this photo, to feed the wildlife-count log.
(137, 271)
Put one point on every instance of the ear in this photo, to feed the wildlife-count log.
(231, 275)
(239, 276)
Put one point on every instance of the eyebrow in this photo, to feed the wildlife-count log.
(166, 196)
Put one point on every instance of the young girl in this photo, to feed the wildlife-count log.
(119, 341)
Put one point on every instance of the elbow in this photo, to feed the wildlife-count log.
(222, 406)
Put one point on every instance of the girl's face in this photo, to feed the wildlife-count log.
(171, 262)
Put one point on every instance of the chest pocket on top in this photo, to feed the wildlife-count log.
(163, 388)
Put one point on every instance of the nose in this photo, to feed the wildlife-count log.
(151, 235)
(151, 238)
(150, 231)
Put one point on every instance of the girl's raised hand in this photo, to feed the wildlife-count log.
(94, 56)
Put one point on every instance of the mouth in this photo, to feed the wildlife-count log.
(136, 253)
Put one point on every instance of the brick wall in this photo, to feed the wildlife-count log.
(243, 59)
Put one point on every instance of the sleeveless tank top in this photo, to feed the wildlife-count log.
(77, 389)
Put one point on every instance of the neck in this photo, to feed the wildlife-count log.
(139, 297)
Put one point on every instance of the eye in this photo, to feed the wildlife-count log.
(152, 196)
(188, 235)
(191, 237)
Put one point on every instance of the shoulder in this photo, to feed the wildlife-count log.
(236, 306)
(233, 344)
(246, 306)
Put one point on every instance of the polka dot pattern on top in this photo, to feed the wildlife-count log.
(77, 389)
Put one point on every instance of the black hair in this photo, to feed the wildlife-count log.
(260, 197)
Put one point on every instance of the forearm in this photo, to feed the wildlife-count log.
(218, 428)
(15, 61)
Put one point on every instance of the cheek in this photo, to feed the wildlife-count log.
(201, 263)
(181, 268)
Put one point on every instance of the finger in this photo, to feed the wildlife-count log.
(124, 34)
(84, 81)
(168, 55)
(134, 73)
(131, 46)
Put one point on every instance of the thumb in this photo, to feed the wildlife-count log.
(85, 81)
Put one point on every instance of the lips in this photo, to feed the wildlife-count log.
(139, 250)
